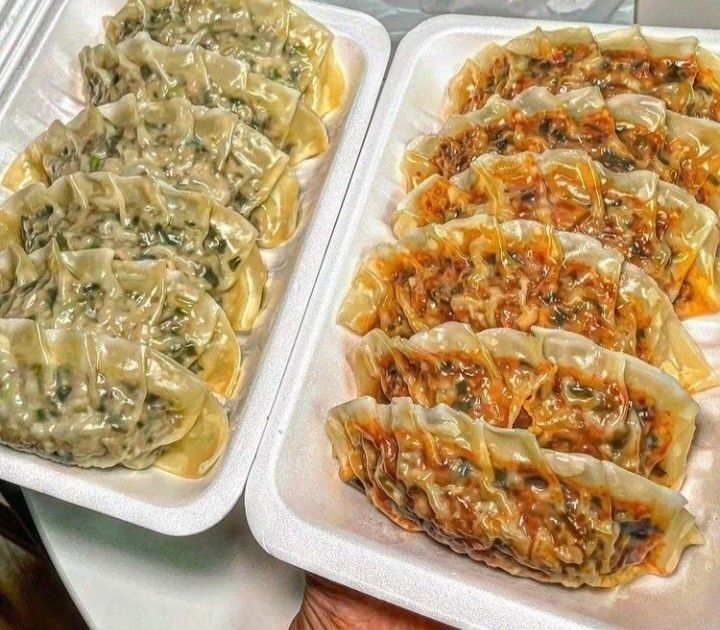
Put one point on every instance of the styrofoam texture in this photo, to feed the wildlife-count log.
(17, 18)
(302, 513)
(45, 85)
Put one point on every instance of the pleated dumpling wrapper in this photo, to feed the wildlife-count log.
(657, 226)
(277, 39)
(97, 401)
(494, 495)
(144, 301)
(573, 395)
(677, 70)
(142, 218)
(516, 275)
(152, 71)
(682, 149)
(627, 132)
(535, 120)
(191, 148)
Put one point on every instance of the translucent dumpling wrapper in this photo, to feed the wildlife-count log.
(192, 148)
(142, 218)
(535, 120)
(144, 301)
(706, 101)
(152, 71)
(627, 132)
(573, 395)
(677, 71)
(194, 455)
(655, 225)
(681, 149)
(494, 495)
(517, 275)
(95, 401)
(277, 39)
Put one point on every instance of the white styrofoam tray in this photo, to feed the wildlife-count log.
(301, 512)
(44, 84)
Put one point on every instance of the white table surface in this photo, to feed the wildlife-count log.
(122, 576)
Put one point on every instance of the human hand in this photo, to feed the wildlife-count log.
(328, 605)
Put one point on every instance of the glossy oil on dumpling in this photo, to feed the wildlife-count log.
(277, 39)
(144, 301)
(496, 496)
(627, 132)
(191, 148)
(535, 120)
(573, 395)
(152, 71)
(91, 400)
(655, 225)
(142, 218)
(677, 71)
(682, 149)
(517, 275)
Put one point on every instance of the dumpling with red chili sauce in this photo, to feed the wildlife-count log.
(573, 395)
(655, 225)
(517, 275)
(677, 71)
(498, 497)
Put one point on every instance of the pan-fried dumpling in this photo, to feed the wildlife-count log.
(677, 71)
(495, 495)
(96, 401)
(141, 218)
(152, 71)
(143, 301)
(573, 395)
(535, 120)
(655, 225)
(517, 275)
(277, 39)
(191, 148)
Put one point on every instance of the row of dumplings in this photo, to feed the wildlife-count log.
(524, 378)
(131, 252)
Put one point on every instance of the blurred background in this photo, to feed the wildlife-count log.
(399, 16)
